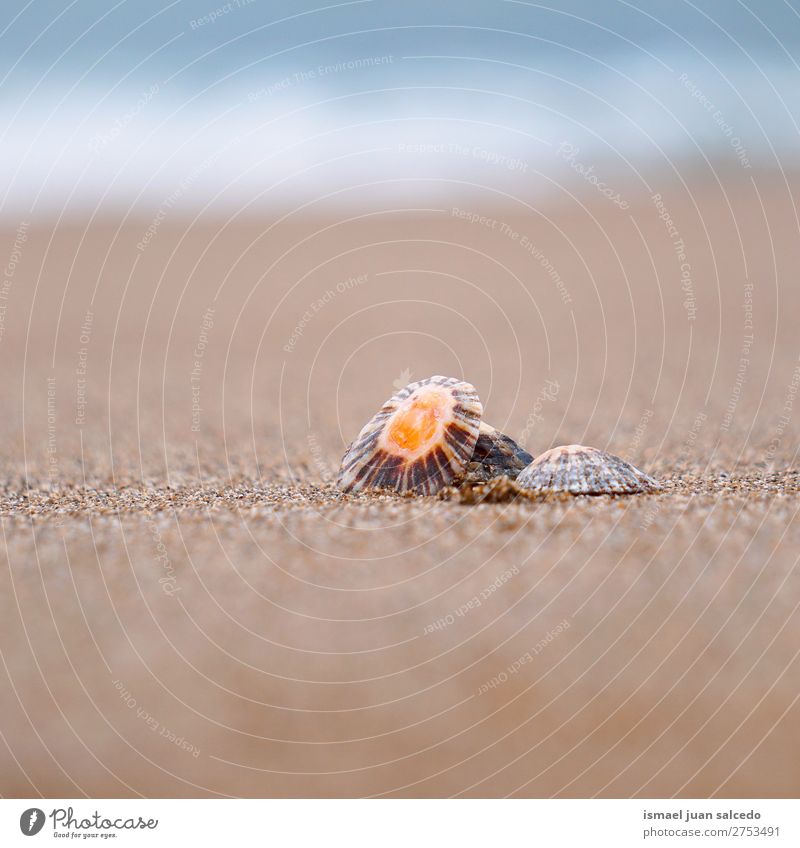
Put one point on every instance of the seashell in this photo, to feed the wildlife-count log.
(420, 440)
(579, 470)
(495, 455)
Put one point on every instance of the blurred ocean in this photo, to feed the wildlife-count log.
(203, 104)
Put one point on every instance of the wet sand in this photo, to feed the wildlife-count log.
(189, 607)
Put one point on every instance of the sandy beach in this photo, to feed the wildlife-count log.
(190, 608)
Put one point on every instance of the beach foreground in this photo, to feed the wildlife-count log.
(189, 606)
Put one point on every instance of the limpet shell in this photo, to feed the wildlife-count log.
(579, 470)
(495, 455)
(419, 441)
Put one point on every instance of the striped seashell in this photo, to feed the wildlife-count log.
(495, 455)
(579, 470)
(420, 440)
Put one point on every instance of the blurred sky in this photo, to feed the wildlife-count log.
(197, 102)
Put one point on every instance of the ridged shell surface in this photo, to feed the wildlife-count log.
(496, 455)
(420, 440)
(579, 470)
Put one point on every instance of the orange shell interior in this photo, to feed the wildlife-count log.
(416, 423)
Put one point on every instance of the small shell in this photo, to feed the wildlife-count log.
(420, 441)
(495, 455)
(584, 471)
